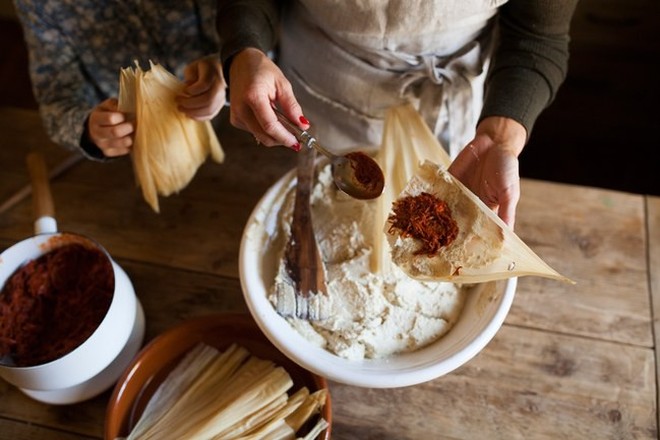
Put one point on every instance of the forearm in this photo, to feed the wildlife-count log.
(64, 114)
(64, 95)
(530, 61)
(246, 23)
(67, 128)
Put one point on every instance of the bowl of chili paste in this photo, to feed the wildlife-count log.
(69, 318)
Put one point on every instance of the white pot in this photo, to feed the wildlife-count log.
(97, 363)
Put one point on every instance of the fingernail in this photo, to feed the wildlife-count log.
(295, 147)
(304, 120)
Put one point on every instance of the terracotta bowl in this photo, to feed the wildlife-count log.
(152, 364)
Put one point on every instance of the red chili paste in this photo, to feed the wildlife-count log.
(426, 218)
(52, 304)
(367, 172)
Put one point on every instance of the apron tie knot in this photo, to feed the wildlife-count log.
(443, 87)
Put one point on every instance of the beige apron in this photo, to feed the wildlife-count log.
(349, 64)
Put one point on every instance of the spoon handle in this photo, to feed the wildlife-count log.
(303, 260)
(304, 137)
(289, 125)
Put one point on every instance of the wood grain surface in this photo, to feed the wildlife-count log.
(570, 362)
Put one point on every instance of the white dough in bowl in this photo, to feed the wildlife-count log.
(367, 315)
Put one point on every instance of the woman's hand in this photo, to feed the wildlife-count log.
(488, 166)
(109, 129)
(257, 85)
(204, 94)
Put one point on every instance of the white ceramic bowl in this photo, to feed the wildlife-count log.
(484, 312)
(97, 363)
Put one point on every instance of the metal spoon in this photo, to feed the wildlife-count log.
(356, 174)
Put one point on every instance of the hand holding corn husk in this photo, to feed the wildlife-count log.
(440, 231)
(205, 89)
(169, 146)
(110, 129)
(228, 395)
(435, 228)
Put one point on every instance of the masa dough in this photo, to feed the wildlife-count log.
(369, 315)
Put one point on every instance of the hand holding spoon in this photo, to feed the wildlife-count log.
(356, 174)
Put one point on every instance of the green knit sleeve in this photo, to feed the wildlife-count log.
(245, 23)
(530, 60)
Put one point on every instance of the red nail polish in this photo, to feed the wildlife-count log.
(304, 120)
(295, 147)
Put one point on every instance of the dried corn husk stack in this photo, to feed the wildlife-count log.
(169, 147)
(485, 248)
(228, 395)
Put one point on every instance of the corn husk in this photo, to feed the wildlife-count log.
(310, 405)
(316, 430)
(407, 142)
(227, 395)
(168, 147)
(486, 249)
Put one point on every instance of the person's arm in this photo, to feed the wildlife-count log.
(245, 23)
(64, 95)
(530, 60)
(528, 67)
(488, 165)
(247, 30)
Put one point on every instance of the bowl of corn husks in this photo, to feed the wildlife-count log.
(217, 376)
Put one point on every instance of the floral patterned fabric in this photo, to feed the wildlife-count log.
(77, 48)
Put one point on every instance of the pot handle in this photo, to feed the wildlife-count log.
(42, 200)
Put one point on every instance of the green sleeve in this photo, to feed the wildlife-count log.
(530, 60)
(245, 23)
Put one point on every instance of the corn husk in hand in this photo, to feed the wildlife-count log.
(407, 142)
(168, 146)
(484, 248)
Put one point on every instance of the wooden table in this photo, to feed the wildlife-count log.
(570, 362)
